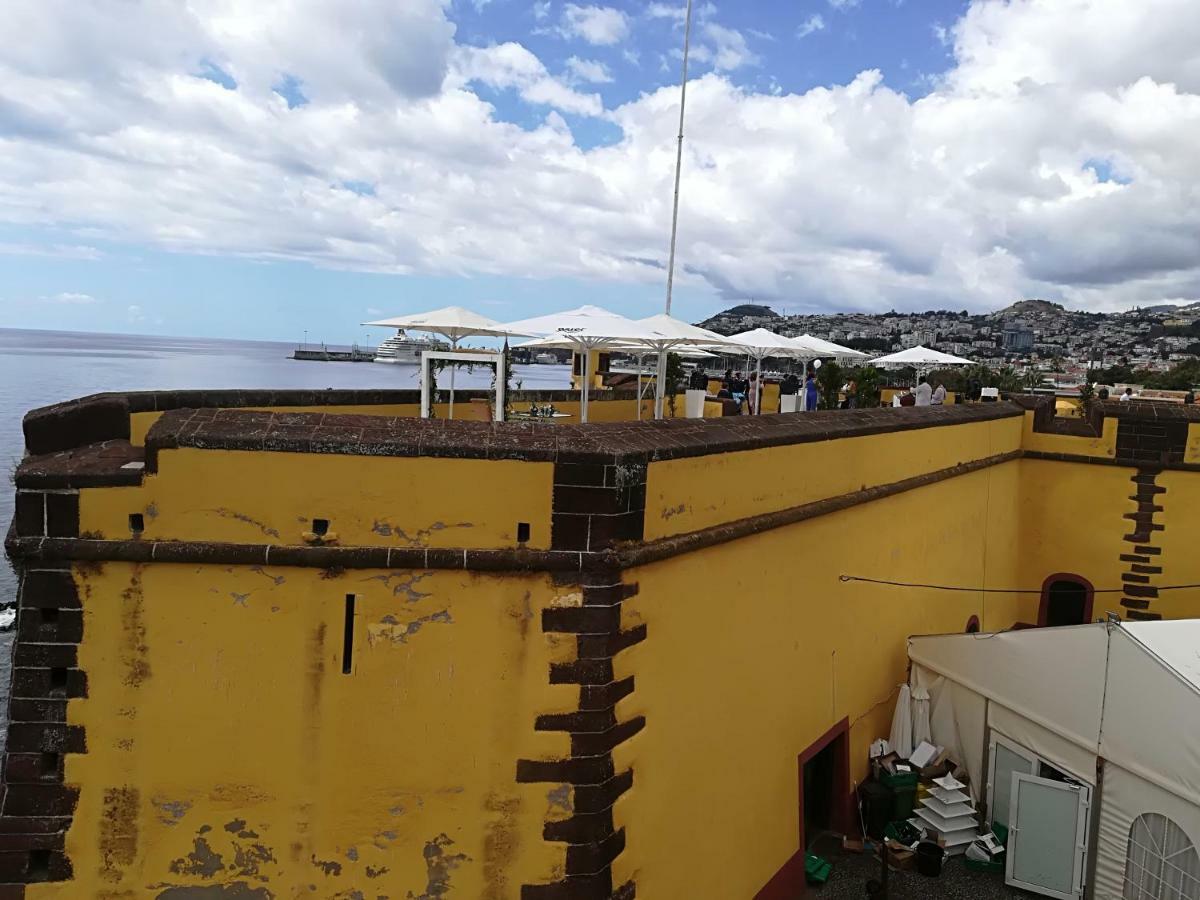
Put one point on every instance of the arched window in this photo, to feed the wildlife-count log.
(1066, 600)
(1162, 863)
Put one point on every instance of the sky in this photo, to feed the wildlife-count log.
(286, 167)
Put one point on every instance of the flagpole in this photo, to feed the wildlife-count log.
(661, 377)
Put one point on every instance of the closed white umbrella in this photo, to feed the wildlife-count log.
(586, 329)
(451, 322)
(901, 737)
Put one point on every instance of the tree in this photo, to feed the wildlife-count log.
(1181, 377)
(868, 381)
(674, 379)
(830, 381)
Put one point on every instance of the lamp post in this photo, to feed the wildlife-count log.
(661, 374)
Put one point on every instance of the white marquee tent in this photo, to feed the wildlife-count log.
(1051, 722)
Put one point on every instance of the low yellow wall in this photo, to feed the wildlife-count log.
(684, 495)
(756, 649)
(258, 497)
(226, 746)
(1104, 446)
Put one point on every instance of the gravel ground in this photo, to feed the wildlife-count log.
(851, 872)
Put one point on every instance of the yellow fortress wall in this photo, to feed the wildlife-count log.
(308, 654)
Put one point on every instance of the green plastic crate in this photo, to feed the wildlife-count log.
(990, 865)
(906, 781)
(816, 870)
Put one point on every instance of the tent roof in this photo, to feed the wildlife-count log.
(1176, 643)
(451, 321)
(921, 356)
(1127, 692)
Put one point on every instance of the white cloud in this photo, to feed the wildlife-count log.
(65, 251)
(541, 10)
(600, 25)
(71, 298)
(848, 196)
(812, 24)
(725, 49)
(844, 4)
(678, 11)
(512, 66)
(589, 70)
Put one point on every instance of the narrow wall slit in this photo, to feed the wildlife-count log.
(348, 637)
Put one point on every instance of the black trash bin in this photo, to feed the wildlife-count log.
(929, 858)
(877, 803)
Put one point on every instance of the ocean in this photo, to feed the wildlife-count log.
(38, 368)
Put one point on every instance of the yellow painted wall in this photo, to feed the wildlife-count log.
(1192, 452)
(224, 738)
(1103, 446)
(684, 495)
(755, 649)
(271, 498)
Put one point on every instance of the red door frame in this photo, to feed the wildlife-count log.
(788, 882)
(1044, 606)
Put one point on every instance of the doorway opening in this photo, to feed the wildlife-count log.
(1066, 600)
(825, 785)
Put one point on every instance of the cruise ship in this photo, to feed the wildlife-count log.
(402, 349)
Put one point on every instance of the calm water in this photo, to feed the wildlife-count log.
(38, 368)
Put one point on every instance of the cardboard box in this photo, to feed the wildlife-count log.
(938, 766)
(899, 856)
(852, 845)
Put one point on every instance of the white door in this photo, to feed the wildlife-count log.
(1047, 837)
(1004, 760)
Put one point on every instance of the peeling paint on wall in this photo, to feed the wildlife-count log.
(202, 861)
(573, 598)
(420, 537)
(405, 584)
(242, 517)
(392, 630)
(239, 890)
(277, 580)
(170, 811)
(439, 865)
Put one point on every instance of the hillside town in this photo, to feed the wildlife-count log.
(1029, 335)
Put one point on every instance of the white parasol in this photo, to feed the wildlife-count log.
(451, 322)
(586, 329)
(675, 333)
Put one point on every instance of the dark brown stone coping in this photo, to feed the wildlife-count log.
(94, 465)
(1108, 461)
(105, 417)
(620, 443)
(48, 549)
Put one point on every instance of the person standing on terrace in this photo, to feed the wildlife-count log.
(923, 393)
(939, 395)
(811, 393)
